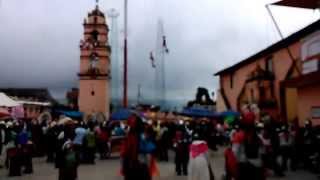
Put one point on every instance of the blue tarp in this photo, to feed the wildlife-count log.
(121, 114)
(197, 112)
(230, 113)
(71, 114)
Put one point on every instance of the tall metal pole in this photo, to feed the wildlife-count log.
(163, 78)
(282, 37)
(139, 94)
(125, 52)
(115, 70)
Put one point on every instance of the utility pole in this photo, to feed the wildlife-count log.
(139, 94)
(125, 55)
(161, 51)
(115, 69)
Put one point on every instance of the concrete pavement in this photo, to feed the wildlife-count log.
(109, 170)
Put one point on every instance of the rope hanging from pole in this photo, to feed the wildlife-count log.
(294, 61)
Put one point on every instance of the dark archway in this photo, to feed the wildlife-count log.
(95, 35)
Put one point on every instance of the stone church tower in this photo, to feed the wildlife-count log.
(94, 75)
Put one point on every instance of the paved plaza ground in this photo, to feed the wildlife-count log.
(108, 170)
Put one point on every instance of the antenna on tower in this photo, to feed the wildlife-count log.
(115, 67)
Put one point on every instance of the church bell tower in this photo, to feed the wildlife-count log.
(94, 75)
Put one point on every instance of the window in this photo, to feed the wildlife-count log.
(269, 64)
(252, 95)
(231, 80)
(95, 35)
(262, 93)
(94, 59)
(315, 112)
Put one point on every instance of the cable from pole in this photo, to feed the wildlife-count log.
(282, 38)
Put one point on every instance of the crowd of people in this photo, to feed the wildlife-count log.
(253, 149)
(65, 144)
(261, 148)
(71, 143)
(148, 141)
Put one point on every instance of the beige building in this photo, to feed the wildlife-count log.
(283, 79)
(94, 76)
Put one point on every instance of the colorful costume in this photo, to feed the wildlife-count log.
(199, 168)
(137, 160)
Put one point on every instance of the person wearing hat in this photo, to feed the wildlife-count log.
(286, 142)
(68, 168)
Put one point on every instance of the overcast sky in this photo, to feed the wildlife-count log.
(39, 40)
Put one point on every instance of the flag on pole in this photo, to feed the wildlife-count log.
(164, 44)
(152, 60)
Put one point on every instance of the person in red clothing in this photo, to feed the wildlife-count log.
(231, 165)
(248, 119)
(137, 161)
(103, 138)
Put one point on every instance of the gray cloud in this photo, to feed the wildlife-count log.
(40, 38)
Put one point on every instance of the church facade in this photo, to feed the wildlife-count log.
(94, 75)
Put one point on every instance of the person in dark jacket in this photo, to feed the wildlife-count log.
(181, 145)
(37, 135)
(51, 142)
(68, 167)
(25, 146)
(2, 139)
(90, 146)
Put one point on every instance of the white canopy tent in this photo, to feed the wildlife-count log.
(35, 103)
(6, 101)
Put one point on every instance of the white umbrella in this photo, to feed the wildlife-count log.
(6, 101)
